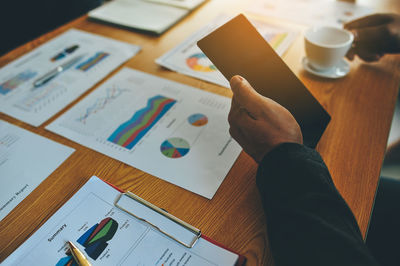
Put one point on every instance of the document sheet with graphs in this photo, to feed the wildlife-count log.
(170, 130)
(97, 55)
(107, 236)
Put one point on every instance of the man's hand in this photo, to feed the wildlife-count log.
(257, 123)
(374, 36)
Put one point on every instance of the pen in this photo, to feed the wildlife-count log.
(80, 259)
(53, 73)
(65, 52)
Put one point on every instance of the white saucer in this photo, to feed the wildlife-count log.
(341, 69)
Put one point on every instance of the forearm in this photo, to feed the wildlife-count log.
(308, 222)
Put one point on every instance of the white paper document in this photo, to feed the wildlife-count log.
(311, 12)
(109, 236)
(187, 4)
(26, 159)
(140, 14)
(188, 59)
(175, 132)
(34, 105)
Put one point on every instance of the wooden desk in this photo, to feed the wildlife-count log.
(353, 146)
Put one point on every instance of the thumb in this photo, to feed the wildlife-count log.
(245, 95)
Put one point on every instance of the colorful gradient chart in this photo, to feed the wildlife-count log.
(275, 39)
(92, 61)
(14, 82)
(200, 62)
(94, 240)
(175, 147)
(129, 133)
(198, 120)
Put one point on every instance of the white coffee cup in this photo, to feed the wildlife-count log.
(325, 46)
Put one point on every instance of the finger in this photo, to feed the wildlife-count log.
(235, 105)
(369, 57)
(374, 39)
(233, 113)
(245, 95)
(350, 54)
(369, 21)
(369, 34)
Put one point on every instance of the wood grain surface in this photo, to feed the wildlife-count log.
(353, 146)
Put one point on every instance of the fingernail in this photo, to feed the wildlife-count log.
(236, 80)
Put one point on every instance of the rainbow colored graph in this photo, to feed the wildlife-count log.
(94, 240)
(92, 61)
(275, 39)
(129, 133)
(200, 62)
(15, 81)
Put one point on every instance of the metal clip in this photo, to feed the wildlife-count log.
(196, 232)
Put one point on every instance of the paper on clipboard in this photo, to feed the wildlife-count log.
(110, 236)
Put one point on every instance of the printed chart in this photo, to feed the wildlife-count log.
(95, 240)
(188, 59)
(109, 236)
(98, 55)
(14, 82)
(172, 131)
(175, 147)
(313, 12)
(101, 103)
(198, 120)
(130, 132)
(92, 61)
(200, 62)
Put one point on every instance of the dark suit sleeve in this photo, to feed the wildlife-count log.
(308, 222)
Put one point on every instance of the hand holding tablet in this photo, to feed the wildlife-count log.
(236, 48)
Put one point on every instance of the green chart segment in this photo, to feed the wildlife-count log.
(175, 147)
(95, 240)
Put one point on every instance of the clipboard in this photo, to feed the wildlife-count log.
(196, 233)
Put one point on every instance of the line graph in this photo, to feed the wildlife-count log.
(41, 97)
(100, 103)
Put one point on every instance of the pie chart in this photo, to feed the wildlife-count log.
(198, 120)
(175, 147)
(200, 62)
